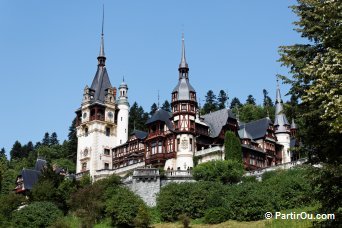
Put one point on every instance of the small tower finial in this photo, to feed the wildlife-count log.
(101, 58)
(158, 98)
(102, 54)
(102, 18)
(123, 78)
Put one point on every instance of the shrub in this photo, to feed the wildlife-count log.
(9, 203)
(37, 214)
(226, 172)
(216, 215)
(142, 220)
(189, 198)
(123, 207)
(185, 220)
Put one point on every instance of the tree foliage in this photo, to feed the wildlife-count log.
(154, 108)
(316, 81)
(250, 100)
(166, 106)
(235, 103)
(137, 118)
(123, 209)
(232, 147)
(192, 199)
(226, 172)
(38, 214)
(222, 99)
(210, 104)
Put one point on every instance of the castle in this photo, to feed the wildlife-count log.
(175, 140)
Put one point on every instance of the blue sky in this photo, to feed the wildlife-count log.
(48, 52)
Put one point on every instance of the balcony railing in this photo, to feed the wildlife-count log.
(178, 173)
(210, 150)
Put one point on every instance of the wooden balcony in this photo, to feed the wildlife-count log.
(160, 158)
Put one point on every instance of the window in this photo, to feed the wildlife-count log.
(190, 142)
(121, 118)
(183, 107)
(192, 108)
(160, 147)
(178, 142)
(106, 151)
(176, 124)
(106, 165)
(107, 131)
(153, 146)
(86, 131)
(84, 166)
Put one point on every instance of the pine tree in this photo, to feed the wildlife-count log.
(27, 149)
(54, 139)
(222, 99)
(210, 103)
(72, 141)
(46, 139)
(250, 100)
(154, 108)
(137, 118)
(166, 106)
(16, 151)
(235, 103)
(2, 153)
(267, 100)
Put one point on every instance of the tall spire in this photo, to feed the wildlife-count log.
(101, 58)
(278, 102)
(183, 63)
(280, 122)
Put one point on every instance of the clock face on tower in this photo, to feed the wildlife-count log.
(84, 115)
(110, 115)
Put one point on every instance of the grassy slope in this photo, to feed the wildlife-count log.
(74, 222)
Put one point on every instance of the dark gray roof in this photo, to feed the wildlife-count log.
(183, 88)
(139, 134)
(100, 83)
(216, 120)
(40, 164)
(161, 115)
(30, 178)
(243, 134)
(258, 128)
(293, 142)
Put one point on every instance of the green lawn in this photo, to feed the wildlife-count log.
(75, 223)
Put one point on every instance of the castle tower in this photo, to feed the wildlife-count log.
(282, 127)
(96, 127)
(184, 107)
(123, 114)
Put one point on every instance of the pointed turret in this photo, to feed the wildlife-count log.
(293, 128)
(183, 88)
(183, 63)
(280, 122)
(101, 80)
